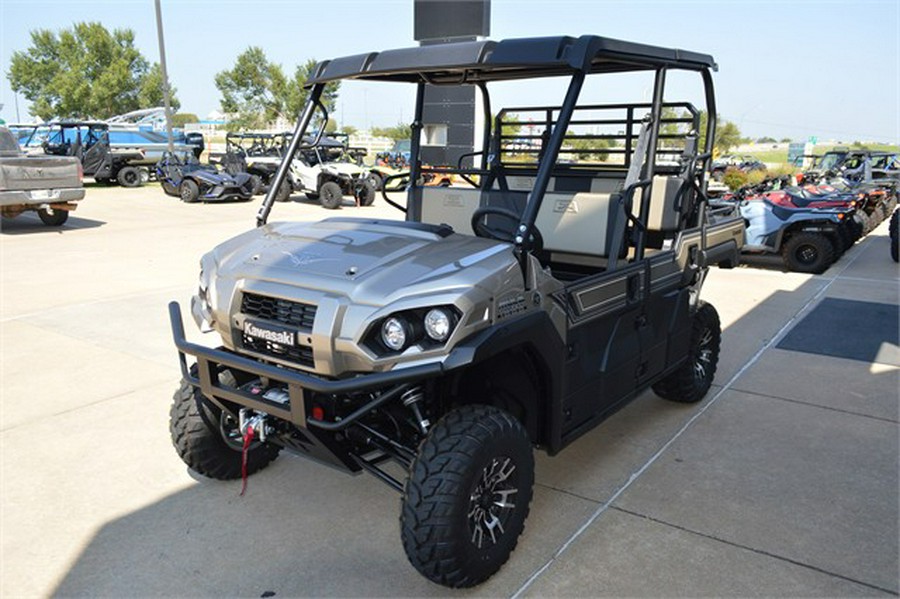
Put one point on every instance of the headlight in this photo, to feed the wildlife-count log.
(421, 328)
(437, 324)
(394, 333)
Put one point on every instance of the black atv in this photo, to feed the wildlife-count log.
(185, 177)
(89, 142)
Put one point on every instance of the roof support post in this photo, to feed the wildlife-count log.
(486, 136)
(711, 116)
(659, 86)
(281, 174)
(415, 160)
(550, 156)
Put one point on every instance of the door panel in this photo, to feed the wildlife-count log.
(604, 351)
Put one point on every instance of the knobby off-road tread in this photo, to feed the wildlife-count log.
(682, 386)
(433, 520)
(194, 426)
(824, 247)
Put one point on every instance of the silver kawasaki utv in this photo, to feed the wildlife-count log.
(514, 311)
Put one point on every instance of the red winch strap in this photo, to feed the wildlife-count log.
(248, 439)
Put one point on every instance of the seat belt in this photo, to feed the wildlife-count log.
(620, 210)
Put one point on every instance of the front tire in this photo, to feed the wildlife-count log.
(808, 252)
(691, 382)
(208, 442)
(189, 191)
(467, 496)
(284, 192)
(330, 195)
(256, 185)
(130, 176)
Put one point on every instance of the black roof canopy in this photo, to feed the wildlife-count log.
(482, 61)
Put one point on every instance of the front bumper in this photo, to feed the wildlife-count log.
(228, 192)
(297, 383)
(37, 197)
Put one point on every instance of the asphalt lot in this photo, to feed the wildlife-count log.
(783, 482)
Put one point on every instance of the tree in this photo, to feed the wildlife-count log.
(183, 118)
(253, 90)
(593, 149)
(151, 92)
(727, 134)
(398, 131)
(85, 71)
(256, 91)
(667, 127)
(297, 94)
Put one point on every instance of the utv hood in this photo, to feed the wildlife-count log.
(369, 261)
(343, 168)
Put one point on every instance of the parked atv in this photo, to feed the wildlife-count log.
(875, 190)
(89, 142)
(183, 176)
(742, 163)
(809, 234)
(321, 169)
(255, 153)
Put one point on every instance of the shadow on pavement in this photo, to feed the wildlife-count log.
(304, 529)
(29, 223)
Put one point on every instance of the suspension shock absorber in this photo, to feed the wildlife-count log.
(411, 399)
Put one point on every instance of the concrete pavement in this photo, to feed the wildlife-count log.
(783, 482)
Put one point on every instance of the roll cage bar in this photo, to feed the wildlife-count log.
(481, 62)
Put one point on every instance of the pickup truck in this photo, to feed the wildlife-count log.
(48, 185)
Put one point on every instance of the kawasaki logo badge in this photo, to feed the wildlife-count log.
(279, 337)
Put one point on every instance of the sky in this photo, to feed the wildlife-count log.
(788, 68)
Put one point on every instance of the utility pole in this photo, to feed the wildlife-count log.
(165, 76)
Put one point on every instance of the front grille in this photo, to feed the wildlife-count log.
(299, 354)
(286, 312)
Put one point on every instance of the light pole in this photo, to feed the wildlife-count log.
(165, 76)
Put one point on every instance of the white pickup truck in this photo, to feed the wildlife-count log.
(48, 185)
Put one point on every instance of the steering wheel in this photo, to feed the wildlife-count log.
(534, 242)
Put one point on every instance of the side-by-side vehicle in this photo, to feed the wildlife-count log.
(516, 309)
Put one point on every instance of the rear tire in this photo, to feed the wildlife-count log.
(376, 180)
(467, 496)
(57, 219)
(130, 176)
(256, 185)
(691, 382)
(189, 191)
(330, 195)
(366, 194)
(808, 252)
(208, 444)
(284, 192)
